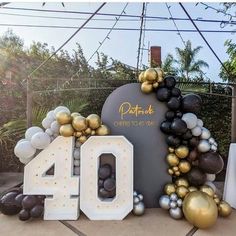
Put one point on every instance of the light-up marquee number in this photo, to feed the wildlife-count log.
(62, 187)
(94, 207)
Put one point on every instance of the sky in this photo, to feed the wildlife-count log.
(122, 45)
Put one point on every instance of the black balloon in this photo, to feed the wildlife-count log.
(24, 215)
(8, 205)
(185, 142)
(193, 142)
(170, 81)
(40, 199)
(173, 103)
(100, 183)
(170, 115)
(175, 92)
(109, 184)
(192, 155)
(36, 211)
(163, 94)
(103, 193)
(112, 193)
(178, 127)
(187, 135)
(211, 162)
(165, 127)
(191, 103)
(104, 171)
(18, 199)
(173, 141)
(29, 202)
(179, 114)
(196, 176)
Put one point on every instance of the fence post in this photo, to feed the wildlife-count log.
(233, 115)
(29, 103)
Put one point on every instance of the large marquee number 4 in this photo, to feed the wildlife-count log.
(62, 188)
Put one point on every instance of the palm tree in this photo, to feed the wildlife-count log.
(187, 62)
(168, 65)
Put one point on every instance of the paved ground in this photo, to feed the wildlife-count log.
(155, 222)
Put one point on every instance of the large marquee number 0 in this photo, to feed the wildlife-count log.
(62, 189)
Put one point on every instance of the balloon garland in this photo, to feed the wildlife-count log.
(192, 154)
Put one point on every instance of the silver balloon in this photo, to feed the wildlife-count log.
(173, 197)
(164, 202)
(216, 144)
(76, 153)
(199, 122)
(136, 200)
(190, 119)
(135, 193)
(76, 171)
(140, 196)
(205, 133)
(210, 177)
(210, 184)
(173, 205)
(176, 213)
(139, 209)
(211, 140)
(213, 148)
(76, 163)
(204, 146)
(196, 131)
(179, 202)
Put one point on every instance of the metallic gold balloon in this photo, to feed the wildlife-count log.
(93, 132)
(94, 121)
(200, 209)
(182, 182)
(169, 188)
(67, 130)
(77, 134)
(103, 130)
(141, 78)
(146, 87)
(150, 75)
(88, 131)
(181, 191)
(177, 173)
(172, 159)
(160, 73)
(171, 149)
(224, 209)
(217, 200)
(192, 189)
(63, 118)
(184, 166)
(155, 85)
(182, 151)
(82, 139)
(208, 190)
(74, 114)
(79, 123)
(170, 171)
(175, 168)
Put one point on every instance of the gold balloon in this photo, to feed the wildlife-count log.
(200, 209)
(67, 130)
(170, 171)
(224, 209)
(150, 75)
(172, 159)
(181, 191)
(141, 78)
(77, 134)
(208, 190)
(169, 188)
(88, 131)
(93, 132)
(82, 139)
(182, 182)
(103, 130)
(146, 87)
(160, 73)
(74, 114)
(79, 123)
(94, 121)
(155, 85)
(171, 149)
(184, 166)
(192, 189)
(175, 168)
(63, 118)
(182, 151)
(217, 200)
(177, 173)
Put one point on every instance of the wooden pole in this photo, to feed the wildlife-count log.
(233, 115)
(29, 102)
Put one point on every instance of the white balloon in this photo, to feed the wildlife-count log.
(31, 131)
(24, 150)
(21, 140)
(210, 184)
(77, 153)
(213, 148)
(76, 163)
(190, 119)
(206, 134)
(210, 177)
(211, 140)
(61, 108)
(199, 122)
(40, 140)
(46, 123)
(49, 132)
(26, 161)
(55, 127)
(50, 114)
(204, 146)
(196, 131)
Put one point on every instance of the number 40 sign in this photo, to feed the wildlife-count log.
(67, 194)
